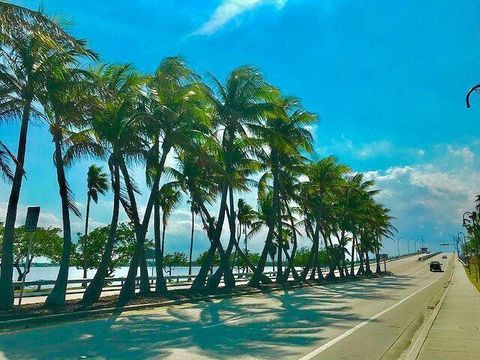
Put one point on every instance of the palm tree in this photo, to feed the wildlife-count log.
(286, 136)
(192, 175)
(110, 133)
(16, 21)
(28, 59)
(174, 115)
(238, 105)
(65, 105)
(245, 216)
(169, 197)
(325, 177)
(193, 211)
(97, 183)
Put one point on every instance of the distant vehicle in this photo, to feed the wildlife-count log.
(435, 266)
(444, 257)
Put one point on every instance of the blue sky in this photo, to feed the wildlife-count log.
(386, 78)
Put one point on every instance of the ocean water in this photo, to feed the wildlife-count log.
(50, 272)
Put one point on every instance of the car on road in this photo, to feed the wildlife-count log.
(435, 266)
(444, 257)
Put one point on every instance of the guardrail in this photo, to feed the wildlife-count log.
(173, 280)
(428, 256)
(111, 282)
(390, 258)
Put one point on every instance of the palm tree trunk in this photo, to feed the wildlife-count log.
(352, 254)
(57, 295)
(368, 270)
(160, 283)
(361, 269)
(377, 258)
(6, 270)
(258, 273)
(128, 289)
(291, 259)
(191, 243)
(199, 282)
(87, 215)
(214, 235)
(224, 267)
(94, 289)
(255, 280)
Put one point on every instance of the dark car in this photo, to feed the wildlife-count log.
(435, 266)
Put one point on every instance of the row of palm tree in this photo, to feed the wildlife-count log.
(227, 139)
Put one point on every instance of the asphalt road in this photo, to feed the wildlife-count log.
(369, 319)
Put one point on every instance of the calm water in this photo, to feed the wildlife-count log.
(50, 273)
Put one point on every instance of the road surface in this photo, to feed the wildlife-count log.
(368, 319)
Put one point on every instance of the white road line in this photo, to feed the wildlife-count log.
(362, 324)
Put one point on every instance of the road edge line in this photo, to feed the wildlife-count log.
(417, 346)
(332, 342)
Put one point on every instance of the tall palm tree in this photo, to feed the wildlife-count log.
(110, 133)
(28, 59)
(324, 177)
(239, 104)
(174, 115)
(169, 197)
(192, 175)
(65, 104)
(97, 183)
(286, 136)
(245, 217)
(194, 210)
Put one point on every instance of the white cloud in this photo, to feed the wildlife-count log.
(374, 149)
(228, 10)
(430, 198)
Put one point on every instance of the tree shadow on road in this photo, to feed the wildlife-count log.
(275, 324)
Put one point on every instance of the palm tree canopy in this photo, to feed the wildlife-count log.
(97, 182)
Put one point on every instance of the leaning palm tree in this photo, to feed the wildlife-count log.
(285, 136)
(169, 198)
(245, 216)
(238, 104)
(28, 59)
(191, 174)
(97, 183)
(65, 105)
(174, 115)
(109, 134)
(325, 177)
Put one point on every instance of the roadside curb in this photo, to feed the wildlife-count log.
(415, 349)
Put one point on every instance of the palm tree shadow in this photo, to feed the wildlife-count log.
(238, 327)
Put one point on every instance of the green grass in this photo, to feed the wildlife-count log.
(471, 275)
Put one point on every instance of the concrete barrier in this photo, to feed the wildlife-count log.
(428, 256)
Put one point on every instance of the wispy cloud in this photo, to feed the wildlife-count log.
(228, 10)
(369, 150)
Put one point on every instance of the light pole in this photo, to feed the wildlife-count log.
(455, 243)
(398, 244)
(464, 240)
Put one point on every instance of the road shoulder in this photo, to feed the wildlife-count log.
(455, 332)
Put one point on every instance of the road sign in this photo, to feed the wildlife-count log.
(31, 222)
